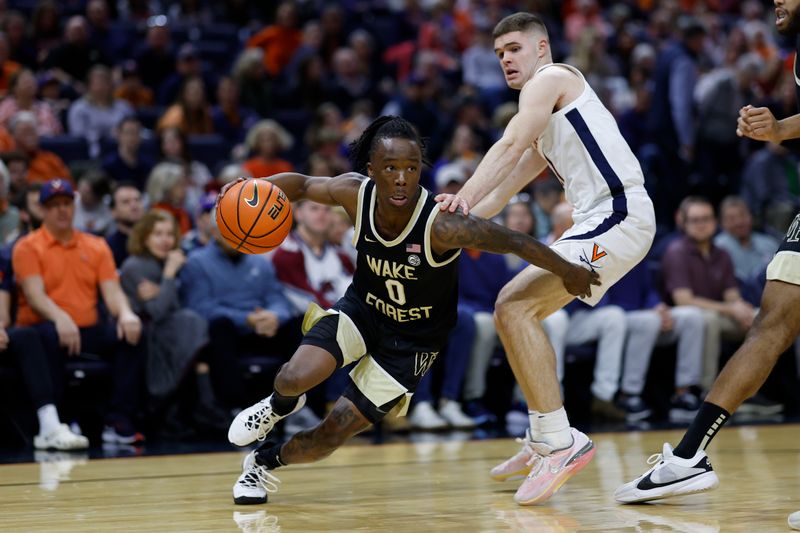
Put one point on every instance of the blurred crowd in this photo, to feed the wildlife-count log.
(120, 121)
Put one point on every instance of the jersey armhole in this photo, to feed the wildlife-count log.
(359, 211)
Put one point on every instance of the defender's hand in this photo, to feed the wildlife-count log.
(452, 202)
(579, 281)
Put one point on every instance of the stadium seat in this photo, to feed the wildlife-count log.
(149, 116)
(209, 149)
(68, 147)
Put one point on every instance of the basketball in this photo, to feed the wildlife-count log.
(254, 216)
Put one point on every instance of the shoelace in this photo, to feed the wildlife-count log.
(260, 419)
(261, 476)
(655, 458)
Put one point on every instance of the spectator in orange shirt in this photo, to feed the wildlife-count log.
(131, 89)
(61, 303)
(191, 113)
(42, 165)
(266, 140)
(279, 41)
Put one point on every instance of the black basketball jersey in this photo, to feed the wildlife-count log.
(411, 290)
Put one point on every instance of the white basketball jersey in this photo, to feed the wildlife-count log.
(583, 146)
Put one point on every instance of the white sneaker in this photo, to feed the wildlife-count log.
(256, 421)
(451, 412)
(425, 416)
(671, 476)
(60, 439)
(519, 465)
(257, 522)
(254, 483)
(794, 520)
(302, 419)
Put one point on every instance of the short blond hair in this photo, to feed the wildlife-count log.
(284, 138)
(162, 179)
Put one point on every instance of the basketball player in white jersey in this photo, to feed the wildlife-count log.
(561, 123)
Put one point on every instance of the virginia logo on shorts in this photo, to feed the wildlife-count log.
(597, 253)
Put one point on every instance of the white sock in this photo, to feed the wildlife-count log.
(48, 419)
(536, 432)
(555, 430)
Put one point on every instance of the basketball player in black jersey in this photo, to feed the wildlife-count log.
(686, 469)
(394, 318)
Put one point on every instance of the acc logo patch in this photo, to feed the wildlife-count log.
(414, 260)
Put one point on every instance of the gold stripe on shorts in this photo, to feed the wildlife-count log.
(378, 386)
(348, 337)
(785, 266)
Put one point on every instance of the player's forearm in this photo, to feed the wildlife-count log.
(497, 165)
(536, 253)
(293, 185)
(789, 128)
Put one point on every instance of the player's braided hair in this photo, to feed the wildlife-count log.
(385, 127)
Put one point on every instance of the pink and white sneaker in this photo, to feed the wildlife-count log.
(518, 466)
(552, 468)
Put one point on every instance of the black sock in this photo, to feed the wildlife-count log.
(269, 455)
(709, 420)
(283, 405)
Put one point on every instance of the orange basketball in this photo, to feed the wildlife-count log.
(254, 216)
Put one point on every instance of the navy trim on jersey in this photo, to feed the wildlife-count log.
(619, 201)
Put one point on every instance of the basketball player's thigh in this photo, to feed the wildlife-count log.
(538, 287)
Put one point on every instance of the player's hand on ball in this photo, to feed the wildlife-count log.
(129, 327)
(579, 281)
(228, 186)
(452, 202)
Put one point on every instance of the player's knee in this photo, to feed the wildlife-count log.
(289, 381)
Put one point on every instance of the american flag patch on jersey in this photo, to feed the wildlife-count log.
(413, 248)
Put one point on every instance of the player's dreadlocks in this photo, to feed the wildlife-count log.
(386, 127)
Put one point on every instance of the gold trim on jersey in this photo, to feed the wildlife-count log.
(411, 223)
(359, 207)
(378, 385)
(785, 266)
(427, 245)
(348, 337)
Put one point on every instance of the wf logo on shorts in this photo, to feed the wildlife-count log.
(423, 361)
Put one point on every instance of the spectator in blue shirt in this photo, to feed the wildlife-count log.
(247, 311)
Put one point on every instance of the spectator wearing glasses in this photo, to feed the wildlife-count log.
(698, 273)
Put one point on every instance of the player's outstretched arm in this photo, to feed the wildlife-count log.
(339, 190)
(455, 231)
(536, 103)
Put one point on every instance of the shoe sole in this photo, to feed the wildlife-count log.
(519, 474)
(701, 483)
(582, 458)
(249, 500)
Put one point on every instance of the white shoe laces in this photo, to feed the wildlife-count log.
(260, 476)
(262, 420)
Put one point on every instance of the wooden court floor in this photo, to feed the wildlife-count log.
(408, 487)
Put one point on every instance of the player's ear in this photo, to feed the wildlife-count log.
(369, 168)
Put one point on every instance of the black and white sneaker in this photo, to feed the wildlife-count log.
(635, 408)
(683, 408)
(671, 476)
(254, 483)
(255, 422)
